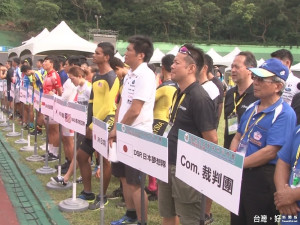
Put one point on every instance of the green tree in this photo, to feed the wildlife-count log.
(8, 9)
(210, 16)
(88, 7)
(42, 10)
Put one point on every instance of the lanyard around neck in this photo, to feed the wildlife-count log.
(175, 104)
(236, 104)
(253, 124)
(297, 156)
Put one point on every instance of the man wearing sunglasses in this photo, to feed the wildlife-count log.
(263, 130)
(192, 110)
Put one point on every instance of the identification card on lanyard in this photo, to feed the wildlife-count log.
(232, 124)
(243, 146)
(296, 172)
(296, 178)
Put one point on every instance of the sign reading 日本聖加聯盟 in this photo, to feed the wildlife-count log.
(211, 169)
(12, 90)
(59, 109)
(37, 100)
(100, 137)
(76, 117)
(29, 95)
(47, 105)
(23, 95)
(143, 151)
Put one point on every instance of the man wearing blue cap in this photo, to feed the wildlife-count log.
(263, 130)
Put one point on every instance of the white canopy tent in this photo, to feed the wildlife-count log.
(214, 55)
(157, 56)
(118, 55)
(228, 59)
(260, 62)
(295, 67)
(17, 51)
(60, 40)
(174, 50)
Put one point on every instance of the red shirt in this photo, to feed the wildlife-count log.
(51, 82)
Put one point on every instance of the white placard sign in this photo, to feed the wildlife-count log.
(2, 85)
(47, 105)
(12, 90)
(143, 151)
(211, 169)
(29, 95)
(77, 113)
(37, 100)
(100, 137)
(23, 94)
(59, 109)
(5, 88)
(2, 94)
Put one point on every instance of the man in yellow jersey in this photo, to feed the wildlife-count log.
(163, 101)
(237, 99)
(105, 86)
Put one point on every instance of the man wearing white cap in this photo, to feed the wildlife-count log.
(263, 130)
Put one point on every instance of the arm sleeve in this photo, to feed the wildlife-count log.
(204, 113)
(279, 132)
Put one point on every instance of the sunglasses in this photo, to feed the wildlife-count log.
(184, 50)
(261, 79)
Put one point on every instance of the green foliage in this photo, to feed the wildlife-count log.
(47, 12)
(8, 9)
(243, 21)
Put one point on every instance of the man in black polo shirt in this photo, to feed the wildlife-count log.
(193, 111)
(238, 99)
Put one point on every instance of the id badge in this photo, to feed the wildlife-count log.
(296, 178)
(243, 146)
(232, 124)
(167, 130)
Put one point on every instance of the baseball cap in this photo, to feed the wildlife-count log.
(271, 67)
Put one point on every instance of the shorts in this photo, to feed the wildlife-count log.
(67, 132)
(133, 176)
(80, 139)
(17, 95)
(87, 146)
(159, 127)
(178, 198)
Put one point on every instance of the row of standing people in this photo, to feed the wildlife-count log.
(195, 107)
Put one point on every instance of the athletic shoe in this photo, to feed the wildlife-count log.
(96, 204)
(208, 219)
(79, 180)
(124, 220)
(89, 197)
(63, 166)
(116, 194)
(39, 132)
(59, 180)
(52, 158)
(26, 127)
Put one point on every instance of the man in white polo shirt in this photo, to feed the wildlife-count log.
(135, 109)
